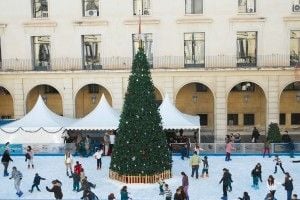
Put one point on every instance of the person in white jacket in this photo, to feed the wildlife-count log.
(97, 155)
(272, 185)
(68, 162)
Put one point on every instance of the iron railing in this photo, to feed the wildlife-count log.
(161, 62)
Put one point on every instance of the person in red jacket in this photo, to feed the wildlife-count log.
(77, 168)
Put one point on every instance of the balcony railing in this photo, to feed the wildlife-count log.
(162, 62)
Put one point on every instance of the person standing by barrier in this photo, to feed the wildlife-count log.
(255, 135)
(228, 149)
(68, 162)
(29, 157)
(195, 162)
(17, 176)
(106, 143)
(112, 138)
(5, 161)
(87, 145)
(185, 184)
(267, 148)
(291, 148)
(288, 185)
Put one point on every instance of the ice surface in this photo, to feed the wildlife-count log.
(201, 189)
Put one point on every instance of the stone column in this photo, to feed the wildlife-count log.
(272, 101)
(68, 99)
(19, 99)
(220, 110)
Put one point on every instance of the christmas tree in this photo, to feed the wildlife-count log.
(274, 133)
(141, 146)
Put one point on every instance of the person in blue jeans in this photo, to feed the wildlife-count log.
(288, 185)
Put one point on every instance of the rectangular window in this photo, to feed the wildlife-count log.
(41, 52)
(193, 6)
(282, 119)
(294, 47)
(203, 119)
(90, 8)
(296, 6)
(295, 118)
(141, 7)
(40, 8)
(147, 44)
(91, 52)
(232, 119)
(249, 119)
(194, 49)
(247, 6)
(246, 49)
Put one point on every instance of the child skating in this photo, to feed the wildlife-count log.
(36, 182)
(161, 186)
(17, 176)
(205, 167)
(278, 163)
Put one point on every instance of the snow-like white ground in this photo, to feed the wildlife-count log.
(201, 189)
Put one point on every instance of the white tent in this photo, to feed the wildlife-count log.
(40, 125)
(174, 119)
(103, 117)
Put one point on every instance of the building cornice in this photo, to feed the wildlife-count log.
(292, 18)
(250, 18)
(90, 21)
(193, 20)
(143, 21)
(40, 23)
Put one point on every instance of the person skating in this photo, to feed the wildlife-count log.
(111, 196)
(255, 176)
(161, 186)
(97, 155)
(258, 166)
(29, 157)
(195, 162)
(245, 196)
(178, 195)
(228, 149)
(17, 176)
(124, 193)
(267, 148)
(205, 167)
(86, 187)
(5, 161)
(168, 192)
(68, 162)
(185, 184)
(288, 185)
(278, 163)
(36, 182)
(76, 181)
(77, 168)
(90, 196)
(269, 197)
(271, 185)
(226, 180)
(56, 189)
(295, 197)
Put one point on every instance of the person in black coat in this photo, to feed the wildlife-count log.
(255, 135)
(245, 196)
(56, 188)
(36, 182)
(288, 185)
(86, 187)
(5, 161)
(226, 179)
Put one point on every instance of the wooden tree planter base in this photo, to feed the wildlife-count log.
(141, 178)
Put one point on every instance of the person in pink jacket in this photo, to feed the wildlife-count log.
(228, 149)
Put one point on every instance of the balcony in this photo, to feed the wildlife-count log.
(162, 62)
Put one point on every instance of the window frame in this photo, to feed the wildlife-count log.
(246, 60)
(41, 65)
(296, 6)
(145, 11)
(193, 9)
(234, 117)
(44, 14)
(134, 38)
(245, 123)
(94, 62)
(294, 56)
(84, 11)
(193, 58)
(247, 10)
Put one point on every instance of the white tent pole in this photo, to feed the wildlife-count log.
(199, 135)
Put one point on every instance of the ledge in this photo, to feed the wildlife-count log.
(90, 22)
(193, 20)
(247, 19)
(291, 18)
(143, 21)
(40, 23)
(3, 25)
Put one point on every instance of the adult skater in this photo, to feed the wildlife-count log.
(272, 186)
(56, 188)
(245, 196)
(228, 149)
(112, 138)
(195, 162)
(205, 167)
(97, 155)
(258, 166)
(288, 185)
(36, 182)
(255, 176)
(226, 179)
(17, 176)
(5, 161)
(267, 148)
(198, 149)
(111, 196)
(185, 184)
(178, 195)
(269, 197)
(29, 157)
(77, 168)
(76, 181)
(86, 187)
(124, 193)
(278, 163)
(68, 162)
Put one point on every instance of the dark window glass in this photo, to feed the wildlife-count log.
(50, 90)
(41, 52)
(247, 6)
(232, 119)
(193, 6)
(200, 87)
(91, 52)
(141, 7)
(40, 8)
(93, 88)
(246, 49)
(249, 119)
(194, 49)
(295, 118)
(282, 118)
(203, 119)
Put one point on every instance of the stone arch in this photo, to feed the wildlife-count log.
(88, 97)
(158, 95)
(50, 94)
(6, 103)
